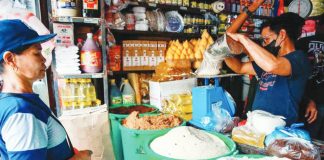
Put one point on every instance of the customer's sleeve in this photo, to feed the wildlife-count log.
(25, 137)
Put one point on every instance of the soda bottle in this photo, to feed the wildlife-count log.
(91, 57)
(128, 93)
(115, 94)
(90, 8)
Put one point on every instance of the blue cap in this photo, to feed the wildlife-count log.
(15, 34)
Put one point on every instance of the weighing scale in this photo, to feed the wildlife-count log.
(203, 97)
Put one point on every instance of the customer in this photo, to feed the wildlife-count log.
(283, 70)
(314, 47)
(28, 129)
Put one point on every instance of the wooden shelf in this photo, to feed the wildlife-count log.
(83, 75)
(126, 33)
(169, 7)
(96, 21)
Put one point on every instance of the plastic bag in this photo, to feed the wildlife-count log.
(293, 148)
(248, 135)
(219, 120)
(90, 130)
(283, 132)
(264, 122)
(8, 11)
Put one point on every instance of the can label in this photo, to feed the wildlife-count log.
(90, 4)
(91, 58)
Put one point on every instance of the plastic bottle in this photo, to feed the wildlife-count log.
(115, 94)
(91, 57)
(90, 8)
(128, 93)
(66, 95)
(80, 43)
(91, 91)
(74, 93)
(82, 91)
(67, 8)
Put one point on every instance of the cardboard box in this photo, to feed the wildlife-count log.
(145, 59)
(160, 56)
(162, 45)
(136, 59)
(152, 59)
(65, 34)
(161, 90)
(153, 45)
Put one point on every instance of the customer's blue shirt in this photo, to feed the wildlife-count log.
(281, 95)
(28, 132)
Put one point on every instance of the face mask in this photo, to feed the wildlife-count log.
(272, 48)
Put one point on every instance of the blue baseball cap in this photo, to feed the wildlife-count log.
(15, 34)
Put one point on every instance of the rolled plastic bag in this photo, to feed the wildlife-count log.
(293, 148)
(283, 132)
(215, 55)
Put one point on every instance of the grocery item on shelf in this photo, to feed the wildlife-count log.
(157, 122)
(115, 94)
(91, 8)
(128, 93)
(65, 34)
(67, 60)
(77, 94)
(68, 8)
(172, 70)
(144, 89)
(134, 81)
(91, 57)
(189, 143)
(114, 63)
(141, 23)
(130, 21)
(175, 22)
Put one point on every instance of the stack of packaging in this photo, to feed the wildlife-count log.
(141, 21)
(67, 60)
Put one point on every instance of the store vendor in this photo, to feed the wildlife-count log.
(282, 70)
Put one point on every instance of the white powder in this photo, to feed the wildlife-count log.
(189, 143)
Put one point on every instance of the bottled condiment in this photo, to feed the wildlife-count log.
(186, 3)
(90, 8)
(115, 94)
(91, 57)
(67, 8)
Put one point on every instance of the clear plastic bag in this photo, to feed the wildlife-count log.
(293, 148)
(219, 120)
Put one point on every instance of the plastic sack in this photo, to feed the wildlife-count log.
(249, 136)
(293, 148)
(8, 11)
(264, 122)
(283, 132)
(218, 120)
(89, 130)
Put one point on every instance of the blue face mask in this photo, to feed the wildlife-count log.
(272, 48)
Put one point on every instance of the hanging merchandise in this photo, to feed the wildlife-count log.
(175, 22)
(90, 8)
(67, 8)
(281, 8)
(128, 93)
(91, 57)
(115, 94)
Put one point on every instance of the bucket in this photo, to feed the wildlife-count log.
(115, 134)
(228, 142)
(136, 142)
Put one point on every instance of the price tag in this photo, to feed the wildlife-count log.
(183, 8)
(91, 20)
(152, 4)
(99, 75)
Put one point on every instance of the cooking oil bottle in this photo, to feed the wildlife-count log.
(91, 91)
(74, 93)
(66, 95)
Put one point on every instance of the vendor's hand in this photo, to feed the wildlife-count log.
(311, 112)
(236, 36)
(82, 155)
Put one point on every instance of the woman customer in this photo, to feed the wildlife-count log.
(28, 129)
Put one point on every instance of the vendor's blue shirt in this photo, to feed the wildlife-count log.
(281, 95)
(28, 132)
